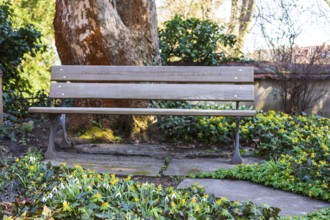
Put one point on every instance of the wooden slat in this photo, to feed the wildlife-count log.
(140, 111)
(210, 92)
(201, 74)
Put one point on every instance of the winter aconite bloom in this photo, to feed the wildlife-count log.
(66, 206)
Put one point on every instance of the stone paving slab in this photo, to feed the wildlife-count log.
(151, 150)
(137, 165)
(290, 204)
(184, 167)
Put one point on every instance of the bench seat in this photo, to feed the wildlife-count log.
(141, 111)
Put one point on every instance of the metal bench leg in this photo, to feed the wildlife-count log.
(237, 159)
(51, 153)
(58, 122)
(65, 140)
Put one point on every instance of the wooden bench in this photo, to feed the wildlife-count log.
(190, 83)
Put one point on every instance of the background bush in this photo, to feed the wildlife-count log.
(21, 52)
(194, 41)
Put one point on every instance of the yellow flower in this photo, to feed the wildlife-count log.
(193, 200)
(159, 188)
(128, 178)
(310, 193)
(221, 200)
(17, 160)
(136, 199)
(113, 176)
(313, 155)
(32, 167)
(66, 206)
(173, 205)
(77, 166)
(63, 164)
(114, 181)
(197, 208)
(183, 201)
(322, 162)
(97, 196)
(105, 205)
(324, 185)
(99, 176)
(324, 147)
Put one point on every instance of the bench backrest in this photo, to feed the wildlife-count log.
(193, 83)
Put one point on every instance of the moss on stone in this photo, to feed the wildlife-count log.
(96, 134)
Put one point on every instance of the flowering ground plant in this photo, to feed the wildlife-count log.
(47, 192)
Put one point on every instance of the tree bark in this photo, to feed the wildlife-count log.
(108, 32)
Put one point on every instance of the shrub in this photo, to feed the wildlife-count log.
(193, 41)
(14, 43)
(188, 129)
(17, 105)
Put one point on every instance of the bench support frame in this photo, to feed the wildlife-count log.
(237, 159)
(57, 123)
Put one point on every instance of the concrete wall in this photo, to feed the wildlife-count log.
(267, 96)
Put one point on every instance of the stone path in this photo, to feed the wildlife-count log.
(148, 160)
(134, 165)
(290, 204)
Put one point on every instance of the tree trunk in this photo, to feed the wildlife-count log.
(328, 2)
(240, 18)
(108, 32)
